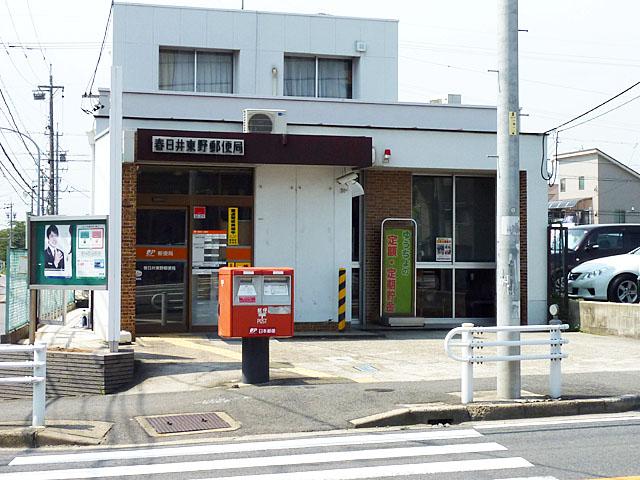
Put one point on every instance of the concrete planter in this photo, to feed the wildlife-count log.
(74, 372)
(606, 318)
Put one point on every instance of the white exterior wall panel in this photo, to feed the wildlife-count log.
(303, 221)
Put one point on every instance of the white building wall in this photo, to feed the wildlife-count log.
(101, 199)
(303, 220)
(618, 190)
(260, 40)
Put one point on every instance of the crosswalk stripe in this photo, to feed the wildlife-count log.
(365, 439)
(533, 478)
(253, 462)
(391, 470)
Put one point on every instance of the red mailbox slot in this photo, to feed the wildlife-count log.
(255, 302)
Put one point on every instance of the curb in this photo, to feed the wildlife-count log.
(56, 433)
(440, 413)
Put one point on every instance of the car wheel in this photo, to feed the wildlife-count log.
(623, 289)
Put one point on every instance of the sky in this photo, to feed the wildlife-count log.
(573, 55)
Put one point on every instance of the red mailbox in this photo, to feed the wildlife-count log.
(255, 302)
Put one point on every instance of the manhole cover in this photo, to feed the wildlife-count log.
(188, 423)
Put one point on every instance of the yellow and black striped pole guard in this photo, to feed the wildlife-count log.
(342, 299)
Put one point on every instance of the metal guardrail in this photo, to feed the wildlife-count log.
(38, 379)
(470, 343)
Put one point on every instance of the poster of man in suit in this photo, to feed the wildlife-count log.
(57, 251)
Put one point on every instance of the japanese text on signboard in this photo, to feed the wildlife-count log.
(398, 271)
(193, 145)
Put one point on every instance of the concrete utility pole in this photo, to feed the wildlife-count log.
(38, 95)
(11, 217)
(507, 197)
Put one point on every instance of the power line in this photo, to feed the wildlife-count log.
(88, 91)
(602, 114)
(15, 124)
(14, 167)
(24, 52)
(35, 31)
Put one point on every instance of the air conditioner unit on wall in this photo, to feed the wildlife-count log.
(255, 120)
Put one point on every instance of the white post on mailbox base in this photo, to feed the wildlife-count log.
(466, 393)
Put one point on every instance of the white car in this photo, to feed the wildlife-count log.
(608, 278)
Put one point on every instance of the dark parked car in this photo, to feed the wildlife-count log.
(588, 242)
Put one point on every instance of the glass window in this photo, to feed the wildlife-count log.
(161, 227)
(355, 293)
(188, 71)
(355, 229)
(160, 294)
(214, 72)
(334, 77)
(299, 77)
(563, 184)
(433, 293)
(433, 211)
(475, 219)
(176, 70)
(475, 293)
(580, 183)
(163, 181)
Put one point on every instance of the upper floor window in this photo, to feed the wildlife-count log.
(195, 71)
(318, 77)
(581, 183)
(563, 184)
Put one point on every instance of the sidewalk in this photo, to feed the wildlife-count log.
(327, 383)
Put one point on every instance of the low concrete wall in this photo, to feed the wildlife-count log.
(73, 373)
(606, 318)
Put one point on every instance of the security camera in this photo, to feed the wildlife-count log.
(347, 178)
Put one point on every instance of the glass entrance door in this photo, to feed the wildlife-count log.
(161, 259)
(220, 236)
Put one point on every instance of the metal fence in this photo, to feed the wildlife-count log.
(17, 294)
(52, 304)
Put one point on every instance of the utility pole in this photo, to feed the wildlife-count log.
(11, 216)
(39, 95)
(57, 173)
(507, 197)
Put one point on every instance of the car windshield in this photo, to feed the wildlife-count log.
(575, 236)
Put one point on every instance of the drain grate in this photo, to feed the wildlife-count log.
(193, 422)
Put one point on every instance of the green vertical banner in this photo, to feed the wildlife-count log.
(398, 271)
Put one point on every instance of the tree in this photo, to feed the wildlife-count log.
(18, 238)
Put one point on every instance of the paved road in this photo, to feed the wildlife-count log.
(569, 448)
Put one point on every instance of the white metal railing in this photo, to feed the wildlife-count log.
(38, 379)
(470, 343)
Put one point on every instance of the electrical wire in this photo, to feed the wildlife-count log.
(35, 31)
(89, 89)
(550, 176)
(14, 167)
(601, 115)
(24, 51)
(15, 124)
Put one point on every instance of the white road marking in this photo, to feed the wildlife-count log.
(391, 470)
(365, 439)
(528, 478)
(253, 462)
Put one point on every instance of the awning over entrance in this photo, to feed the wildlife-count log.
(560, 204)
(252, 148)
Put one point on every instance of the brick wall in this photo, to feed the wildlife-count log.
(388, 194)
(128, 293)
(524, 298)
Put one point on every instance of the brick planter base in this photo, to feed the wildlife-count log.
(73, 372)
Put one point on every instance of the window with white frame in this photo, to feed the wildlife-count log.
(195, 71)
(318, 77)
